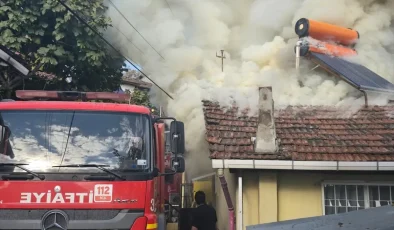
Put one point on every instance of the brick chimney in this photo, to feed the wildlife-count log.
(266, 134)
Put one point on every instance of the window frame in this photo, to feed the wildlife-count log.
(357, 183)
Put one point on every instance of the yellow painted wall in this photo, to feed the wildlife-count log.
(172, 226)
(250, 198)
(207, 187)
(299, 195)
(268, 197)
(277, 196)
(259, 198)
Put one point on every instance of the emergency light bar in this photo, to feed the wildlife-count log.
(71, 95)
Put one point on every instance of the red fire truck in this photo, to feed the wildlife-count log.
(68, 163)
(172, 191)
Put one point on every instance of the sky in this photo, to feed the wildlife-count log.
(131, 67)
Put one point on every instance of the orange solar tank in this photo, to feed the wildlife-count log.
(327, 48)
(324, 31)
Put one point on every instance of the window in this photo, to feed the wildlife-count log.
(340, 198)
(43, 139)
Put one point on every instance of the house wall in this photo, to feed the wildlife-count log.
(260, 196)
(127, 87)
(276, 196)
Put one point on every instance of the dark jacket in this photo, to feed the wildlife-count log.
(204, 217)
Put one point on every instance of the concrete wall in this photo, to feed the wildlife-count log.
(277, 196)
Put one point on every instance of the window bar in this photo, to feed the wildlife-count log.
(366, 196)
(346, 202)
(335, 200)
(357, 204)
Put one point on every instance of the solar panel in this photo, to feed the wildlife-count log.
(357, 75)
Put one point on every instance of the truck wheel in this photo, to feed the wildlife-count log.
(161, 222)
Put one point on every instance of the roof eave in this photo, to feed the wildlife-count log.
(304, 165)
(136, 83)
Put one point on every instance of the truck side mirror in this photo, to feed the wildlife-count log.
(178, 164)
(177, 135)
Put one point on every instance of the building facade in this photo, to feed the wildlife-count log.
(300, 162)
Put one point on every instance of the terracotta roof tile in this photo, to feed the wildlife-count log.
(304, 133)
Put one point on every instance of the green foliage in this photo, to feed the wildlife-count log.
(141, 97)
(51, 40)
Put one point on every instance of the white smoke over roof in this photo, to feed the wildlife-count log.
(258, 37)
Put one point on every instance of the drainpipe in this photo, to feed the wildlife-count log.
(227, 196)
(240, 204)
(365, 98)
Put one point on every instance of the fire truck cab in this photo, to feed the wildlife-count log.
(69, 163)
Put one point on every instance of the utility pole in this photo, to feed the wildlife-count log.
(222, 57)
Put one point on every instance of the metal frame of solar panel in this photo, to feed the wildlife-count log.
(356, 75)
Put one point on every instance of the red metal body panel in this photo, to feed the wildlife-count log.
(176, 185)
(151, 205)
(65, 105)
(145, 195)
(75, 195)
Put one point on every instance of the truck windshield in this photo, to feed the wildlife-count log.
(43, 139)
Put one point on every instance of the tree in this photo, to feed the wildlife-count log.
(141, 97)
(51, 40)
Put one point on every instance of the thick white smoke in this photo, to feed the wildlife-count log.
(258, 38)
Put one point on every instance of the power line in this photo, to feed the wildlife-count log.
(128, 39)
(116, 8)
(169, 7)
(102, 38)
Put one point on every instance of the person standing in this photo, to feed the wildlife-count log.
(203, 216)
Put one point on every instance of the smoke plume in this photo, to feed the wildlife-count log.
(258, 38)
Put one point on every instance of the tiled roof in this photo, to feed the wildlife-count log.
(136, 82)
(47, 76)
(305, 133)
(134, 78)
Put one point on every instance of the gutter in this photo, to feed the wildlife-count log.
(227, 196)
(304, 165)
(136, 83)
